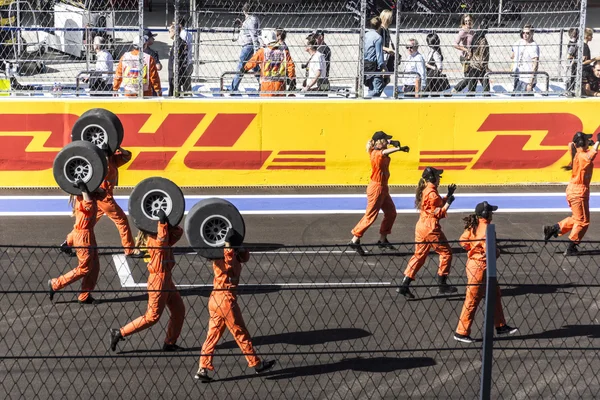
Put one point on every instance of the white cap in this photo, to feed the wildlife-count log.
(268, 37)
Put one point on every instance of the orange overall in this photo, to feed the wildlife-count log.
(161, 289)
(476, 267)
(428, 233)
(84, 240)
(276, 66)
(378, 196)
(225, 311)
(578, 195)
(108, 206)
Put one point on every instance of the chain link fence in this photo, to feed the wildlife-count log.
(47, 47)
(331, 318)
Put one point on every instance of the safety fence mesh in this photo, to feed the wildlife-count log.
(47, 48)
(330, 317)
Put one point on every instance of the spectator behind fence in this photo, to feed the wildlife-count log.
(571, 68)
(479, 63)
(316, 67)
(281, 36)
(591, 81)
(587, 54)
(129, 71)
(414, 63)
(389, 51)
(249, 31)
(323, 48)
(525, 56)
(101, 81)
(463, 43)
(276, 65)
(182, 60)
(150, 51)
(186, 77)
(374, 61)
(437, 81)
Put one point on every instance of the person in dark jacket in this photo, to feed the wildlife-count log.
(182, 60)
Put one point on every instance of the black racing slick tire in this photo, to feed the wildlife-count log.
(99, 126)
(153, 194)
(79, 160)
(207, 224)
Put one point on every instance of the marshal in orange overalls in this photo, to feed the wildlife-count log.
(161, 289)
(84, 240)
(225, 311)
(276, 66)
(378, 196)
(107, 204)
(474, 244)
(428, 234)
(578, 195)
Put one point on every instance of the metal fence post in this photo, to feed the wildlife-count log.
(175, 50)
(579, 77)
(141, 43)
(490, 303)
(396, 50)
(361, 49)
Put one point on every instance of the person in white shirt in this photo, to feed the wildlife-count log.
(102, 78)
(316, 68)
(414, 63)
(525, 56)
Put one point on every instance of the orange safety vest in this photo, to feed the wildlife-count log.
(274, 68)
(131, 73)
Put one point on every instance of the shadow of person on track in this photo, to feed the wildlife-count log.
(567, 331)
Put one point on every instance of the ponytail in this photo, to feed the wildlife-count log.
(573, 151)
(141, 240)
(471, 222)
(370, 146)
(419, 193)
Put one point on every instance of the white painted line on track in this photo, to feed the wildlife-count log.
(127, 281)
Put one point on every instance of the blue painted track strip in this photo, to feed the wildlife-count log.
(307, 204)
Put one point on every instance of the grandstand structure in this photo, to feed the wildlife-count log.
(48, 43)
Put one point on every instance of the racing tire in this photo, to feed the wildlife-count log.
(99, 126)
(207, 223)
(153, 194)
(79, 160)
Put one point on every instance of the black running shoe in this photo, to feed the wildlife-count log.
(50, 290)
(463, 338)
(202, 375)
(115, 337)
(172, 347)
(550, 231)
(357, 247)
(264, 366)
(385, 244)
(506, 330)
(89, 300)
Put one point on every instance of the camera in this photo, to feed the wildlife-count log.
(304, 66)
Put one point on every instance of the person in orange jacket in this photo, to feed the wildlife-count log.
(428, 232)
(129, 71)
(473, 241)
(84, 210)
(578, 192)
(378, 192)
(161, 289)
(109, 207)
(225, 311)
(276, 65)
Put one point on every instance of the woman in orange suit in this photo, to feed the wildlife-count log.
(378, 192)
(473, 241)
(161, 289)
(578, 192)
(225, 311)
(109, 207)
(84, 210)
(428, 232)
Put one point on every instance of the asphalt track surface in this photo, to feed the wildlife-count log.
(330, 317)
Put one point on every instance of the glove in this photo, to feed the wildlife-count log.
(395, 143)
(450, 200)
(451, 189)
(79, 184)
(405, 149)
(162, 216)
(104, 147)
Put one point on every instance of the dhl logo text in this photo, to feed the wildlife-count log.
(30, 142)
(509, 149)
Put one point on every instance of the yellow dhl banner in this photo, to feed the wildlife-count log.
(322, 142)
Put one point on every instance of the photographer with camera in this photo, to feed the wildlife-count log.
(316, 69)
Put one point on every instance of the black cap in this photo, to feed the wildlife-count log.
(483, 207)
(381, 135)
(319, 32)
(430, 173)
(234, 238)
(148, 32)
(581, 137)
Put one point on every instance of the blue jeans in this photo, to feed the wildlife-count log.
(521, 88)
(245, 56)
(376, 86)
